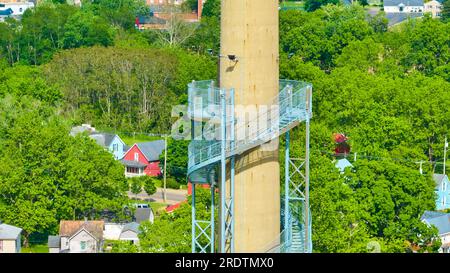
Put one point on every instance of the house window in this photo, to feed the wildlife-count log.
(83, 245)
(133, 170)
(115, 147)
(136, 156)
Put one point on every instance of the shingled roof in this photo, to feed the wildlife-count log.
(103, 139)
(441, 222)
(431, 214)
(69, 228)
(143, 214)
(439, 179)
(152, 149)
(133, 226)
(408, 3)
(8, 232)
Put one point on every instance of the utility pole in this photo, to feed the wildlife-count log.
(165, 167)
(445, 151)
(421, 163)
(165, 162)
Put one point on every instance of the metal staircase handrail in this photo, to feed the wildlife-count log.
(296, 100)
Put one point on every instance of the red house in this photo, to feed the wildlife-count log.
(143, 159)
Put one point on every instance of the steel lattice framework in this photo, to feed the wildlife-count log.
(215, 105)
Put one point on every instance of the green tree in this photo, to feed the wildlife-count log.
(120, 13)
(135, 185)
(445, 14)
(312, 5)
(190, 5)
(211, 8)
(130, 89)
(86, 29)
(171, 233)
(123, 247)
(149, 185)
(177, 158)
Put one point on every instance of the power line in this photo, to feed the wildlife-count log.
(356, 155)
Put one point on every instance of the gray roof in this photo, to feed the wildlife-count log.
(103, 139)
(54, 241)
(142, 214)
(152, 149)
(398, 17)
(441, 222)
(404, 2)
(439, 179)
(133, 226)
(81, 129)
(131, 163)
(431, 214)
(8, 232)
(126, 147)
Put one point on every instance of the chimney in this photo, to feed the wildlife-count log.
(199, 9)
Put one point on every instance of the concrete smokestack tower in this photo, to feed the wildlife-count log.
(249, 64)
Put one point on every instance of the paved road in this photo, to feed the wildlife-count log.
(173, 196)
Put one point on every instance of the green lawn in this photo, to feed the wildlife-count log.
(154, 205)
(42, 248)
(157, 206)
(130, 140)
(287, 5)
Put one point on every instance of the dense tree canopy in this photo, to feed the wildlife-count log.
(126, 88)
(49, 28)
(47, 175)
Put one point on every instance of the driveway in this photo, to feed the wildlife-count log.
(173, 196)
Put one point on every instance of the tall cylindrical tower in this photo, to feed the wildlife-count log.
(249, 64)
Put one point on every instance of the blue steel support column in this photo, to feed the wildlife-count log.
(286, 190)
(223, 172)
(232, 173)
(307, 212)
(194, 226)
(193, 220)
(212, 217)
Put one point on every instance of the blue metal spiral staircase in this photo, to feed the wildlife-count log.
(215, 143)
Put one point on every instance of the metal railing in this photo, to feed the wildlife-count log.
(288, 107)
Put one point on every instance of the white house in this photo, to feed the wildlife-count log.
(18, 8)
(10, 239)
(130, 233)
(81, 236)
(403, 6)
(434, 7)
